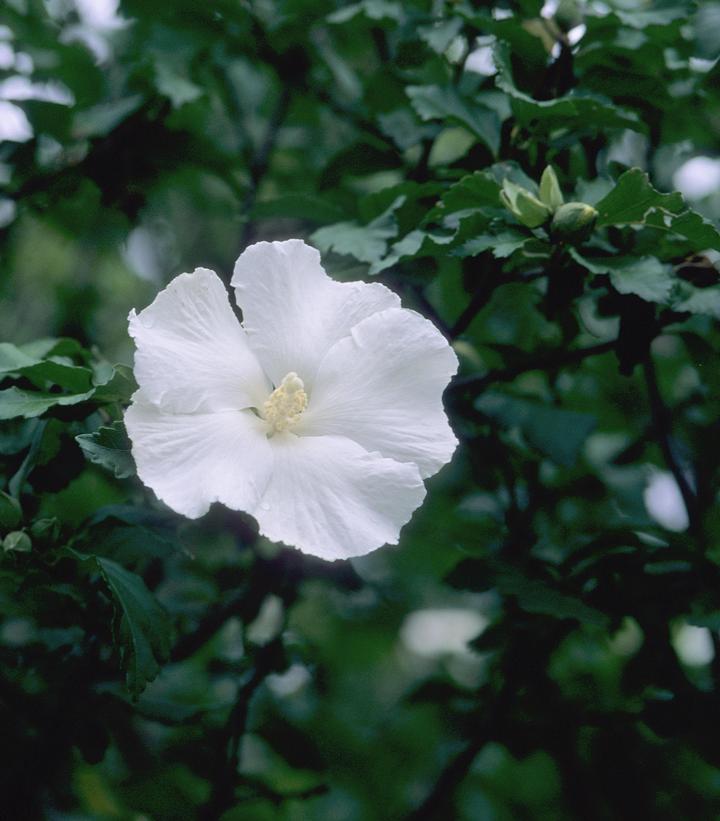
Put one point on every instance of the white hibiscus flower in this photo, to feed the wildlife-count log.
(320, 415)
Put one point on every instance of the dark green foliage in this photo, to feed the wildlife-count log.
(543, 643)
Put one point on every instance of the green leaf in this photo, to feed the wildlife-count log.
(439, 35)
(10, 511)
(408, 246)
(13, 360)
(372, 9)
(532, 595)
(556, 432)
(170, 82)
(104, 117)
(645, 277)
(632, 198)
(580, 110)
(446, 104)
(535, 596)
(687, 297)
(110, 448)
(117, 384)
(654, 281)
(502, 245)
(17, 402)
(367, 243)
(142, 629)
(700, 233)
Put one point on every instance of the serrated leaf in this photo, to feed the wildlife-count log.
(632, 198)
(579, 110)
(367, 243)
(446, 104)
(700, 233)
(502, 245)
(654, 281)
(645, 277)
(557, 432)
(110, 448)
(14, 360)
(17, 402)
(142, 629)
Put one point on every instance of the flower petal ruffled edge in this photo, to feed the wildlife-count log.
(192, 352)
(293, 312)
(331, 498)
(382, 387)
(193, 460)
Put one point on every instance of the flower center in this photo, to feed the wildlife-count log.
(286, 403)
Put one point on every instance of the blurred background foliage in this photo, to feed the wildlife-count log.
(543, 644)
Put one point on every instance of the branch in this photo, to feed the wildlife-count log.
(261, 162)
(480, 299)
(549, 360)
(223, 792)
(449, 780)
(662, 423)
(215, 618)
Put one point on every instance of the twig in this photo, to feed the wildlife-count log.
(261, 163)
(662, 424)
(479, 300)
(449, 780)
(190, 643)
(549, 360)
(223, 793)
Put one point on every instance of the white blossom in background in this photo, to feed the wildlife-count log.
(698, 177)
(664, 502)
(320, 415)
(693, 645)
(99, 20)
(436, 632)
(480, 60)
(14, 124)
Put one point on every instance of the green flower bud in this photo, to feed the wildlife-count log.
(17, 541)
(45, 529)
(550, 192)
(523, 205)
(573, 222)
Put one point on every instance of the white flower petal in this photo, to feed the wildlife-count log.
(331, 498)
(192, 460)
(382, 387)
(192, 353)
(293, 312)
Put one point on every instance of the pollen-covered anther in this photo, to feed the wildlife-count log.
(286, 403)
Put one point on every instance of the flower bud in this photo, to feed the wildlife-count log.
(45, 529)
(17, 541)
(523, 205)
(550, 192)
(573, 222)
